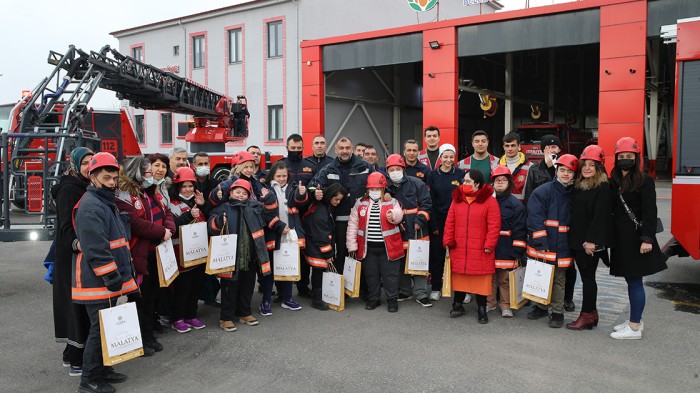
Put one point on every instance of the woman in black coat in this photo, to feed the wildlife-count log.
(71, 323)
(635, 252)
(590, 224)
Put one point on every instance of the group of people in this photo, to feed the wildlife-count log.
(486, 212)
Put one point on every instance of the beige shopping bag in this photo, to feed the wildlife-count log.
(287, 262)
(537, 284)
(516, 278)
(352, 273)
(120, 334)
(417, 257)
(333, 289)
(194, 244)
(167, 263)
(447, 277)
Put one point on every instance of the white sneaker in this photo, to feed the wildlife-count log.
(489, 309)
(435, 295)
(507, 313)
(623, 325)
(627, 334)
(467, 298)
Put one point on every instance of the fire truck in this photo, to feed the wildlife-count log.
(573, 140)
(54, 118)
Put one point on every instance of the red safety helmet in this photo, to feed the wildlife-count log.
(568, 160)
(245, 184)
(376, 180)
(501, 170)
(241, 157)
(102, 159)
(184, 174)
(626, 145)
(594, 153)
(395, 159)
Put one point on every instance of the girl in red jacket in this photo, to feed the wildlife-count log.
(471, 235)
(374, 232)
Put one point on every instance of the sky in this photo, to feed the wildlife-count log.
(30, 29)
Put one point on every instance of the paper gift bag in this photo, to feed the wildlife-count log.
(194, 244)
(537, 284)
(447, 277)
(351, 277)
(120, 334)
(417, 257)
(516, 278)
(167, 263)
(222, 254)
(287, 262)
(333, 289)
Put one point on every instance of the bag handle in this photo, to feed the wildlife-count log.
(331, 268)
(420, 230)
(353, 255)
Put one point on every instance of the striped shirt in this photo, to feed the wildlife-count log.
(374, 224)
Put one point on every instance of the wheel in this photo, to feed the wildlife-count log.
(221, 173)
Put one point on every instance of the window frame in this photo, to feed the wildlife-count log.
(236, 44)
(163, 131)
(142, 125)
(277, 39)
(275, 118)
(202, 51)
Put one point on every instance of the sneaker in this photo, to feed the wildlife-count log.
(96, 387)
(467, 298)
(424, 302)
(435, 295)
(537, 313)
(627, 333)
(153, 343)
(372, 304)
(66, 363)
(228, 326)
(249, 320)
(403, 297)
(180, 326)
(507, 313)
(621, 326)
(265, 309)
(291, 304)
(195, 323)
(393, 305)
(113, 377)
(75, 371)
(457, 310)
(569, 306)
(489, 309)
(556, 320)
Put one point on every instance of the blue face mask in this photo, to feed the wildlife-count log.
(158, 182)
(147, 182)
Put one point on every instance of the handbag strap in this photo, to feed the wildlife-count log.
(331, 268)
(630, 213)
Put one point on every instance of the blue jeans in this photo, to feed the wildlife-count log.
(283, 287)
(635, 290)
(93, 368)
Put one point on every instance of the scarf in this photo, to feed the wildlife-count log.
(281, 200)
(512, 163)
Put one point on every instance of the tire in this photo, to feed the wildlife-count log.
(221, 173)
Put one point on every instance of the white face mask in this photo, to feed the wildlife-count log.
(202, 171)
(396, 176)
(375, 195)
(186, 198)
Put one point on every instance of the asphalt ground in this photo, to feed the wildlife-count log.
(416, 349)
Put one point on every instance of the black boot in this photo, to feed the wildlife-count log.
(457, 310)
(152, 343)
(556, 320)
(483, 318)
(96, 387)
(537, 313)
(393, 305)
(569, 306)
(318, 302)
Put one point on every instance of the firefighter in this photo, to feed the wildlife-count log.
(516, 162)
(319, 158)
(242, 167)
(481, 159)
(360, 150)
(352, 172)
(257, 156)
(548, 223)
(300, 168)
(374, 233)
(205, 182)
(372, 157)
(414, 197)
(512, 240)
(102, 270)
(414, 168)
(430, 156)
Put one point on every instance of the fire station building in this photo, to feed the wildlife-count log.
(380, 71)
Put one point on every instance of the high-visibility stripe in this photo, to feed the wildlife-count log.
(78, 273)
(425, 238)
(342, 218)
(390, 232)
(546, 255)
(265, 267)
(293, 210)
(272, 206)
(405, 245)
(273, 222)
(519, 243)
(104, 269)
(563, 229)
(505, 233)
(539, 234)
(427, 216)
(302, 242)
(258, 234)
(410, 211)
(270, 245)
(360, 232)
(118, 243)
(564, 262)
(214, 227)
(225, 275)
(551, 223)
(101, 292)
(506, 263)
(317, 262)
(326, 248)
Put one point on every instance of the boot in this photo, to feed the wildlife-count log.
(483, 318)
(585, 321)
(594, 316)
(556, 320)
(318, 302)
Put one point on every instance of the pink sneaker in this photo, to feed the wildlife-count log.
(180, 326)
(195, 323)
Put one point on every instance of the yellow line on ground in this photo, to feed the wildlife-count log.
(689, 304)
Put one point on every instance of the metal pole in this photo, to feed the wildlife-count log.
(5, 183)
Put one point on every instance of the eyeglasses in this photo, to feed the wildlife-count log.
(501, 181)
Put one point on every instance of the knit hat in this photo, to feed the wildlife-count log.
(444, 147)
(549, 140)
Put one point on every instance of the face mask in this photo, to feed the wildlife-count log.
(294, 156)
(626, 164)
(468, 189)
(158, 182)
(202, 171)
(147, 182)
(374, 195)
(396, 176)
(186, 198)
(101, 186)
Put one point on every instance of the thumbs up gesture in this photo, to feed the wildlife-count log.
(219, 193)
(302, 188)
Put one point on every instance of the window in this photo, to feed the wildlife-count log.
(274, 123)
(137, 53)
(176, 50)
(166, 128)
(138, 128)
(198, 51)
(274, 39)
(234, 46)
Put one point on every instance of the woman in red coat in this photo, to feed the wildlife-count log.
(471, 234)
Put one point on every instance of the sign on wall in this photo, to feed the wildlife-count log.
(422, 5)
(475, 2)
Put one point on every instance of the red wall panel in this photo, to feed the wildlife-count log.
(623, 40)
(615, 74)
(623, 13)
